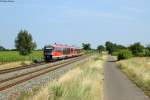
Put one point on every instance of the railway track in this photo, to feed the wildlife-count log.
(25, 67)
(17, 79)
(21, 68)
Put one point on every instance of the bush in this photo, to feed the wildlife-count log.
(115, 53)
(147, 53)
(124, 54)
(137, 49)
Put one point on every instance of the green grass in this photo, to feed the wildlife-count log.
(11, 56)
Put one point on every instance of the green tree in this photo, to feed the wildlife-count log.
(110, 47)
(86, 46)
(147, 50)
(24, 43)
(120, 47)
(100, 48)
(137, 49)
(2, 48)
(148, 47)
(147, 53)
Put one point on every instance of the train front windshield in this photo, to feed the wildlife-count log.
(48, 51)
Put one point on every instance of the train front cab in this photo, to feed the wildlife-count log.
(48, 53)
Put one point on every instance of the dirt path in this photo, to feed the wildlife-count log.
(117, 86)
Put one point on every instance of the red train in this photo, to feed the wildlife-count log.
(58, 51)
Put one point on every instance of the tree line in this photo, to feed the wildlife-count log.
(125, 52)
(121, 51)
(25, 45)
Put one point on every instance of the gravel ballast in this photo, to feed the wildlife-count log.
(14, 91)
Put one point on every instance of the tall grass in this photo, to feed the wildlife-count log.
(138, 70)
(81, 83)
(11, 56)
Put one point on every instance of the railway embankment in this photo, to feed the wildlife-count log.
(31, 79)
(83, 82)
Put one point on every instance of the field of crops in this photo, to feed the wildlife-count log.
(11, 56)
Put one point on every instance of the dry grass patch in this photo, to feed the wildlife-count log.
(82, 83)
(138, 70)
(14, 64)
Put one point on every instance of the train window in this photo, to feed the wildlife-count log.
(68, 50)
(64, 51)
(48, 51)
(58, 49)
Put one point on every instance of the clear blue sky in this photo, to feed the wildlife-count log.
(76, 21)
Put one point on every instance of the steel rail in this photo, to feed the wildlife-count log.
(36, 75)
(27, 66)
(23, 74)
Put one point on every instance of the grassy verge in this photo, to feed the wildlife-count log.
(138, 70)
(14, 64)
(82, 83)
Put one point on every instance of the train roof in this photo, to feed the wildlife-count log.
(63, 46)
